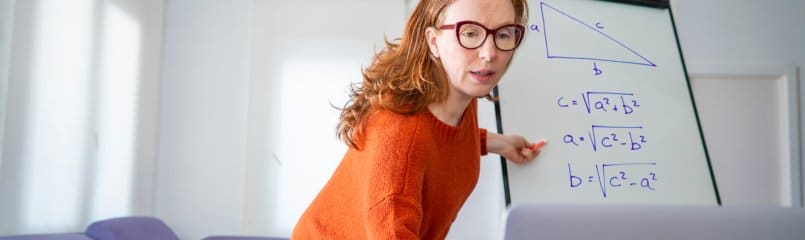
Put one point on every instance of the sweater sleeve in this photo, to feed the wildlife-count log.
(482, 135)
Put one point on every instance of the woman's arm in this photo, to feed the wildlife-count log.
(513, 147)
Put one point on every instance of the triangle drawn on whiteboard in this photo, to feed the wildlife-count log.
(568, 37)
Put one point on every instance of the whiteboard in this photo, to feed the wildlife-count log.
(605, 83)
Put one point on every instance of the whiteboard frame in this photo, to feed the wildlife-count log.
(795, 115)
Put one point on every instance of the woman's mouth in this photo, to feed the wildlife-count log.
(482, 76)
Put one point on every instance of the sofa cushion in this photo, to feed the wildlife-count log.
(63, 236)
(131, 228)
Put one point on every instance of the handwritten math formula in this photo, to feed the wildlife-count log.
(611, 177)
(625, 138)
(604, 102)
(609, 137)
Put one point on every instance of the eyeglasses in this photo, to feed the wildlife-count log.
(472, 35)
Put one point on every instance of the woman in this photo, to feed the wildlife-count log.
(415, 145)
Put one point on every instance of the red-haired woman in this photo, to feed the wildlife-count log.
(412, 127)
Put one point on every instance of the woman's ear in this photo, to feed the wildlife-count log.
(431, 35)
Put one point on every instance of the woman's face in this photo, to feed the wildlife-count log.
(472, 72)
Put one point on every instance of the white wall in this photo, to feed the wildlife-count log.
(203, 117)
(741, 32)
(305, 55)
(748, 34)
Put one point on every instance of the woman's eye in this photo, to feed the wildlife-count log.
(470, 34)
(505, 34)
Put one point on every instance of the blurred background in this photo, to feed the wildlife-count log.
(217, 117)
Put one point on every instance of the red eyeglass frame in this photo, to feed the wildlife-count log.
(458, 25)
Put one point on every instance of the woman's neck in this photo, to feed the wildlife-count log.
(451, 110)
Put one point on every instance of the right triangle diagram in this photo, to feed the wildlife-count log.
(570, 38)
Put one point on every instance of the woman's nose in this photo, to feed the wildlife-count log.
(488, 51)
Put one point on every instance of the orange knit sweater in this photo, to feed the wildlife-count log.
(408, 181)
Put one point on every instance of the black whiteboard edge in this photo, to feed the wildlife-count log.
(801, 121)
(647, 3)
(695, 109)
(504, 169)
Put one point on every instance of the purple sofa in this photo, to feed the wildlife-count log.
(127, 228)
(124, 228)
(62, 236)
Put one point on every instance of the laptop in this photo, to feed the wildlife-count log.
(622, 222)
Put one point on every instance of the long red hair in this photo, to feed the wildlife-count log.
(404, 77)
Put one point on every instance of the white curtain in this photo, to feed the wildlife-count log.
(6, 23)
(71, 153)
